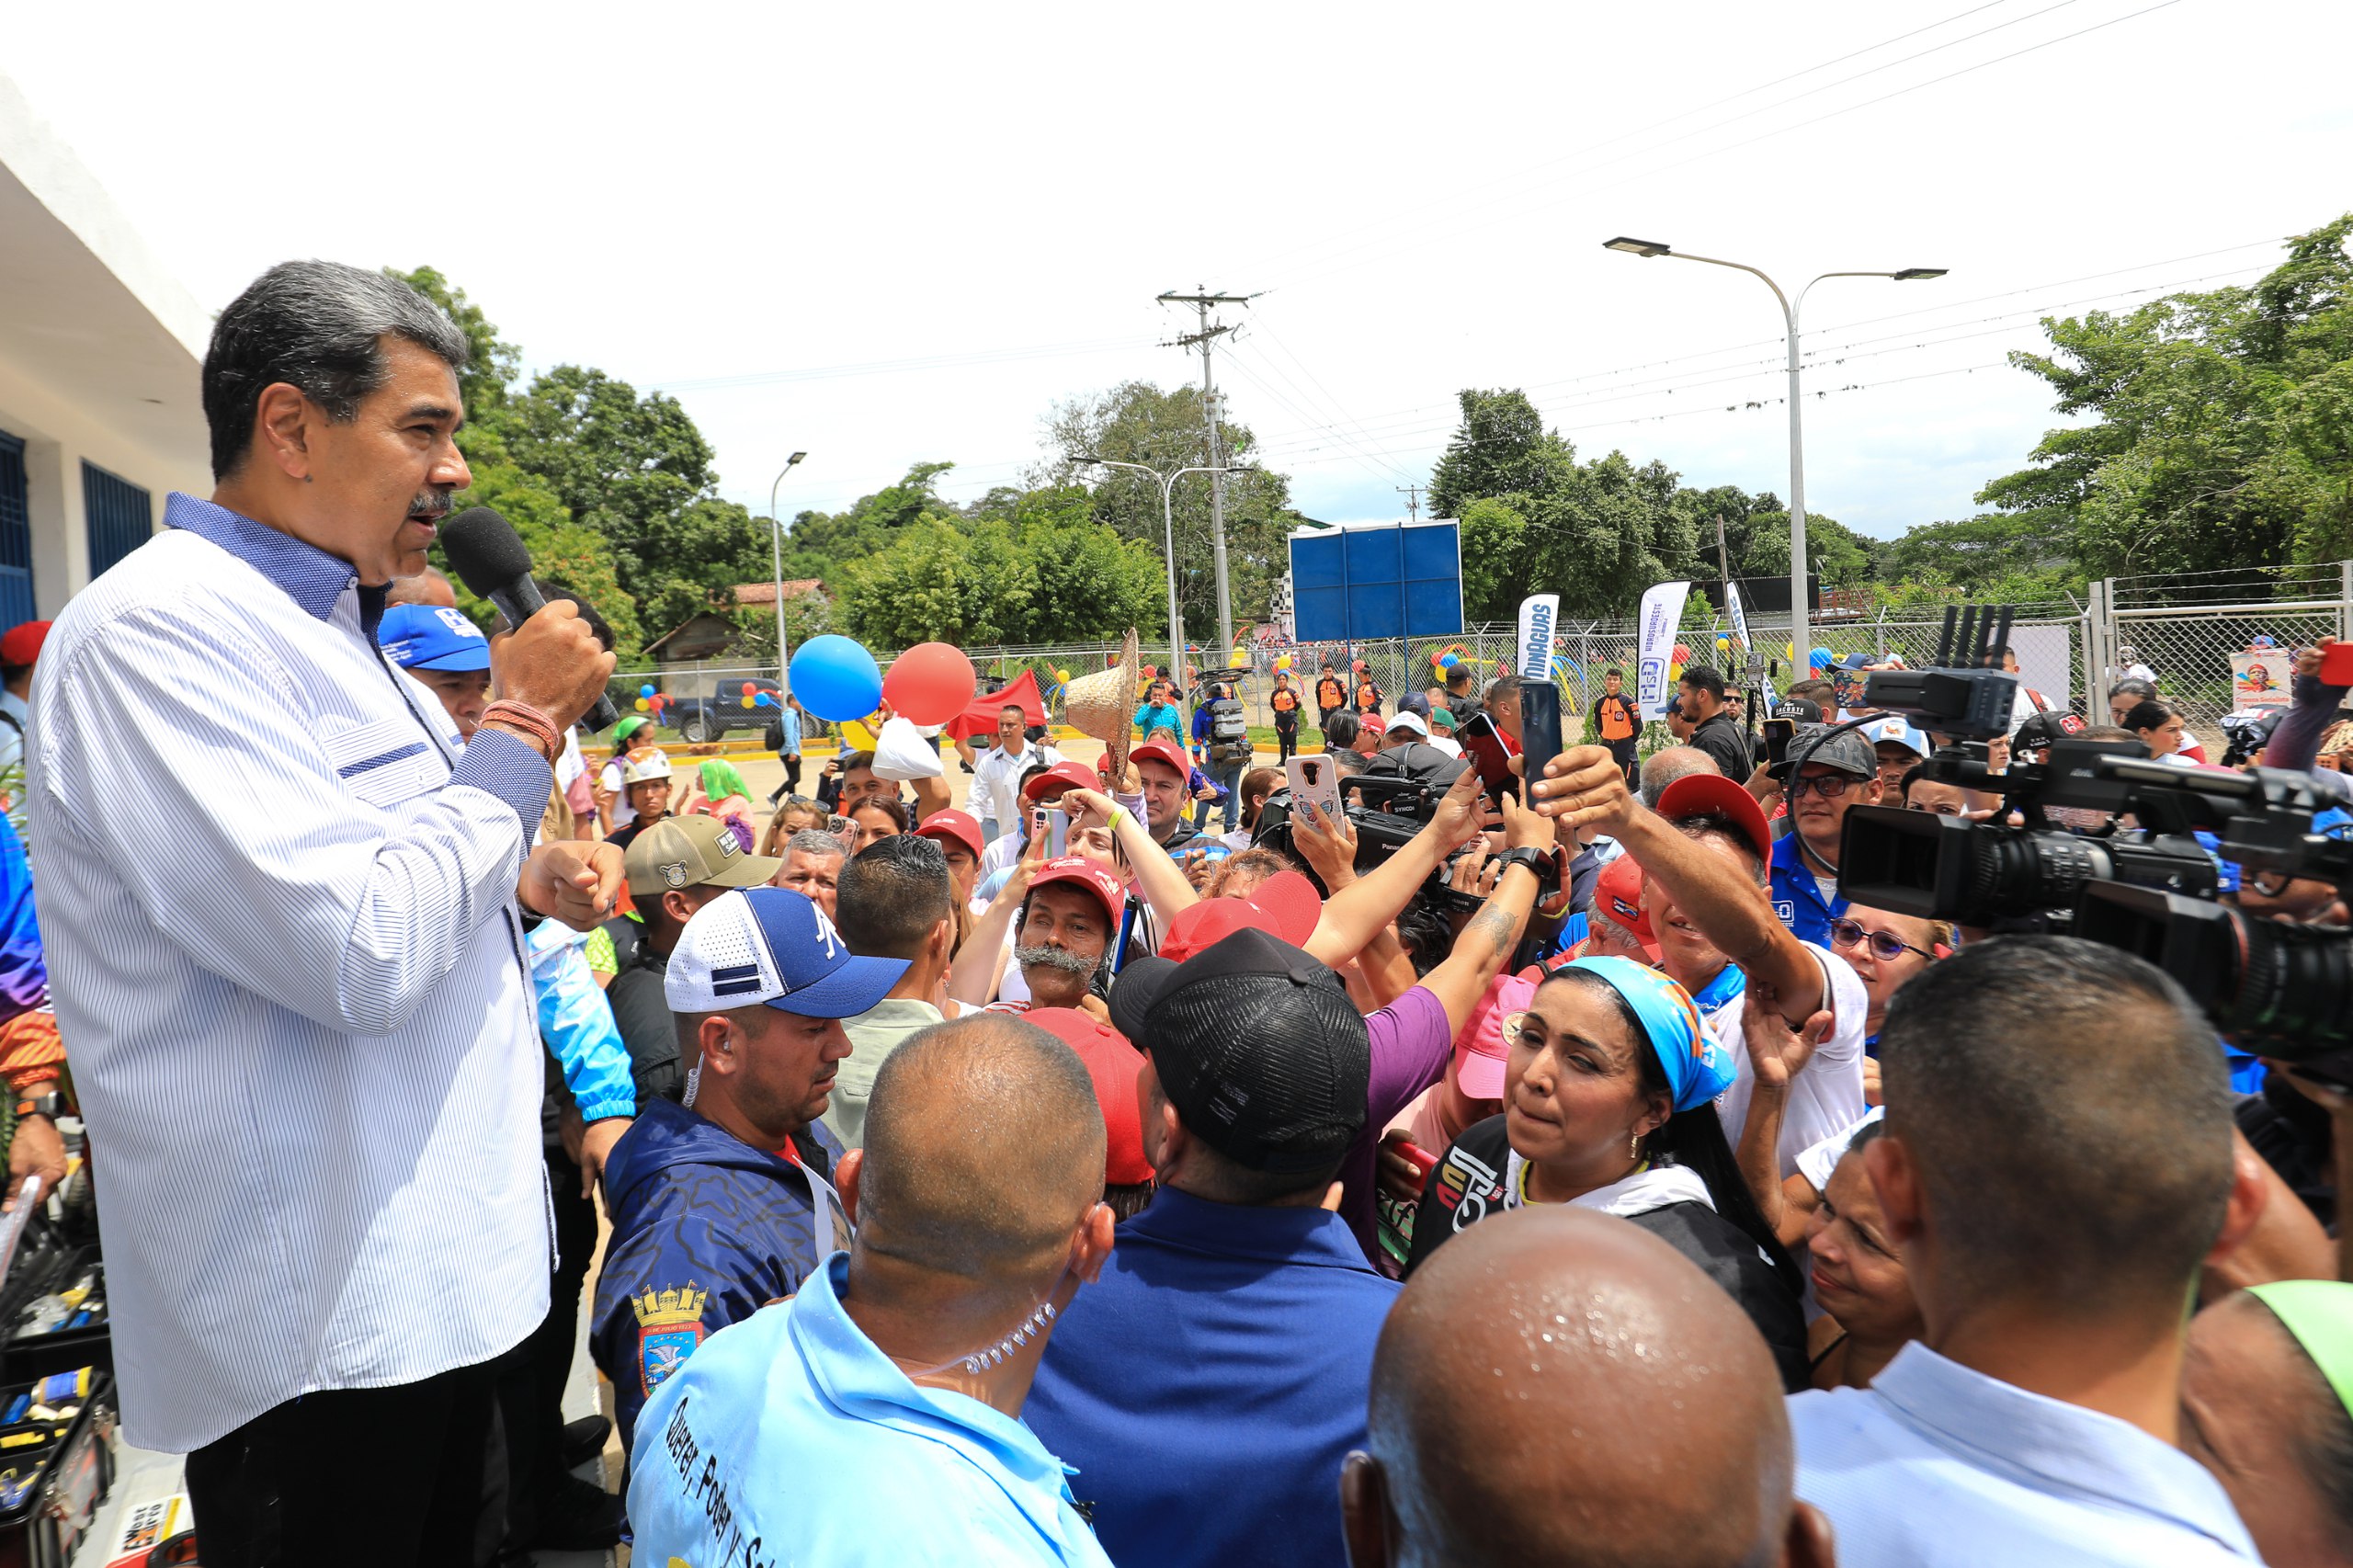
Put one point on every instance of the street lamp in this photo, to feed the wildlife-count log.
(1168, 526)
(1800, 638)
(776, 549)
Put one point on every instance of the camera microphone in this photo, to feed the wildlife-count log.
(494, 564)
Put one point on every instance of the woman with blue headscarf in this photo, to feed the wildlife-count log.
(1609, 1103)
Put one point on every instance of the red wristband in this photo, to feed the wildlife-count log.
(523, 716)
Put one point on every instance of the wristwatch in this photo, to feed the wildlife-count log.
(50, 1105)
(1541, 862)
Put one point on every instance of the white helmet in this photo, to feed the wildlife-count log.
(644, 766)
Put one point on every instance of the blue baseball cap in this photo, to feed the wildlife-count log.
(428, 637)
(774, 947)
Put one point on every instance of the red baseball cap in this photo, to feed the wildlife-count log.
(1285, 906)
(1712, 795)
(1371, 723)
(958, 825)
(20, 645)
(1618, 895)
(1114, 1065)
(1087, 874)
(1061, 776)
(1481, 1051)
(1163, 753)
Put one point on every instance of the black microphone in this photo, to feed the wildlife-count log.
(494, 564)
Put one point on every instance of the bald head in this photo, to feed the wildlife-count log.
(983, 1150)
(1665, 766)
(1560, 1386)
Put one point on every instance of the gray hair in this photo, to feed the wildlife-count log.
(808, 841)
(319, 326)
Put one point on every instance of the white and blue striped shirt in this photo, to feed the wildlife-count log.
(279, 908)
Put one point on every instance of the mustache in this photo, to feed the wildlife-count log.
(1055, 958)
(430, 504)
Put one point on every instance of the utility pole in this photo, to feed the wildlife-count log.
(1412, 495)
(1205, 339)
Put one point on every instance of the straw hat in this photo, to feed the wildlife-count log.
(1101, 705)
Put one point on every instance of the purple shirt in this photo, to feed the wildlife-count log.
(1411, 1046)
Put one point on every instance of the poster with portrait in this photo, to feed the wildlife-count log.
(2260, 677)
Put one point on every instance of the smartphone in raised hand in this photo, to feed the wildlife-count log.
(1316, 781)
(1539, 726)
(1057, 831)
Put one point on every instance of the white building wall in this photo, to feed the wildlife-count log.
(99, 349)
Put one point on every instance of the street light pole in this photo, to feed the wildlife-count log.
(776, 550)
(1800, 638)
(1168, 528)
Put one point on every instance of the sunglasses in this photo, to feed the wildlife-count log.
(1829, 786)
(1885, 945)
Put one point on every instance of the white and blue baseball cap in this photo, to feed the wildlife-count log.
(428, 637)
(774, 947)
(1895, 727)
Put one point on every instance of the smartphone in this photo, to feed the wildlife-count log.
(842, 828)
(1314, 780)
(1539, 726)
(1038, 823)
(1057, 831)
(1777, 740)
(2337, 663)
(1484, 744)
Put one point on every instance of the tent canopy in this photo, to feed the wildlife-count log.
(979, 717)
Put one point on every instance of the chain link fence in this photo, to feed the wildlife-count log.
(2184, 626)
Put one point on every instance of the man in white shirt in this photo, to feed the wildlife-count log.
(1704, 849)
(336, 981)
(996, 777)
(2052, 1205)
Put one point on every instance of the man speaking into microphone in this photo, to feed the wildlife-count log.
(301, 1021)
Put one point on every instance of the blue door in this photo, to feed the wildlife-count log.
(16, 536)
(120, 514)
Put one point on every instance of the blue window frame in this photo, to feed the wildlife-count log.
(16, 536)
(120, 514)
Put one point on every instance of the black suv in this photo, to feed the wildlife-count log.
(701, 719)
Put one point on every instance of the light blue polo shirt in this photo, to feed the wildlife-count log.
(791, 1438)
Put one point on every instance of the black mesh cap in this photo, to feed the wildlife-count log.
(1257, 1045)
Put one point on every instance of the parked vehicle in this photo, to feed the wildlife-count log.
(698, 720)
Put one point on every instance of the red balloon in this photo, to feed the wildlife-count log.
(748, 689)
(929, 684)
(1150, 673)
(1682, 653)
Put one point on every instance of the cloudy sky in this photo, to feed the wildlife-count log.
(900, 234)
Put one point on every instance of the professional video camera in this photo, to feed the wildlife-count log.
(2276, 989)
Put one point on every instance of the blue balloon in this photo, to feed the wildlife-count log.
(645, 690)
(761, 699)
(835, 678)
(1822, 658)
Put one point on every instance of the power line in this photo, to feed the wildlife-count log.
(1821, 355)
(1477, 196)
(897, 366)
(1651, 172)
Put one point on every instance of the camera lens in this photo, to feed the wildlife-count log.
(2294, 996)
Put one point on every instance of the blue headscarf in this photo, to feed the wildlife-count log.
(1697, 1068)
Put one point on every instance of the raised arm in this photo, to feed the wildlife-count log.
(1159, 882)
(1485, 946)
(281, 878)
(1583, 786)
(1352, 914)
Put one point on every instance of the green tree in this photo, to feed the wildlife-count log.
(1138, 422)
(561, 550)
(2209, 434)
(1494, 542)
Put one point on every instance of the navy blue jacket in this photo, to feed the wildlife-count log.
(706, 1230)
(1209, 1384)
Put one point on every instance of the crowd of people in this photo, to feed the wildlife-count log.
(1142, 1166)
